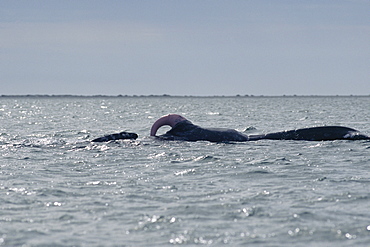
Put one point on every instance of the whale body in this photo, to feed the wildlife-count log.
(183, 129)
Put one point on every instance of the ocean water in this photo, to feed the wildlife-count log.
(59, 189)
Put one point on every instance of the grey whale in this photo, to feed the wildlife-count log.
(184, 130)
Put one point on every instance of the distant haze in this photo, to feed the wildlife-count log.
(185, 47)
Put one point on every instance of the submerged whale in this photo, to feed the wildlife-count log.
(183, 129)
(118, 136)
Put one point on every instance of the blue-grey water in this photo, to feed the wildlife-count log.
(58, 189)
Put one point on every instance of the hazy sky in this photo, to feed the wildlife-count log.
(185, 47)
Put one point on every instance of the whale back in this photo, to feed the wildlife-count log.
(323, 133)
(118, 136)
(187, 131)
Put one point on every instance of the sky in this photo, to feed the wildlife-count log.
(185, 47)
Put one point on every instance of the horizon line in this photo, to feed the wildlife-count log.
(168, 95)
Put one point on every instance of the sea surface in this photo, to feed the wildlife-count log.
(59, 189)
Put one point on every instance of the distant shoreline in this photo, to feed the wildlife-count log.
(166, 95)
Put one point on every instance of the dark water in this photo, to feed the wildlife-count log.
(58, 189)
